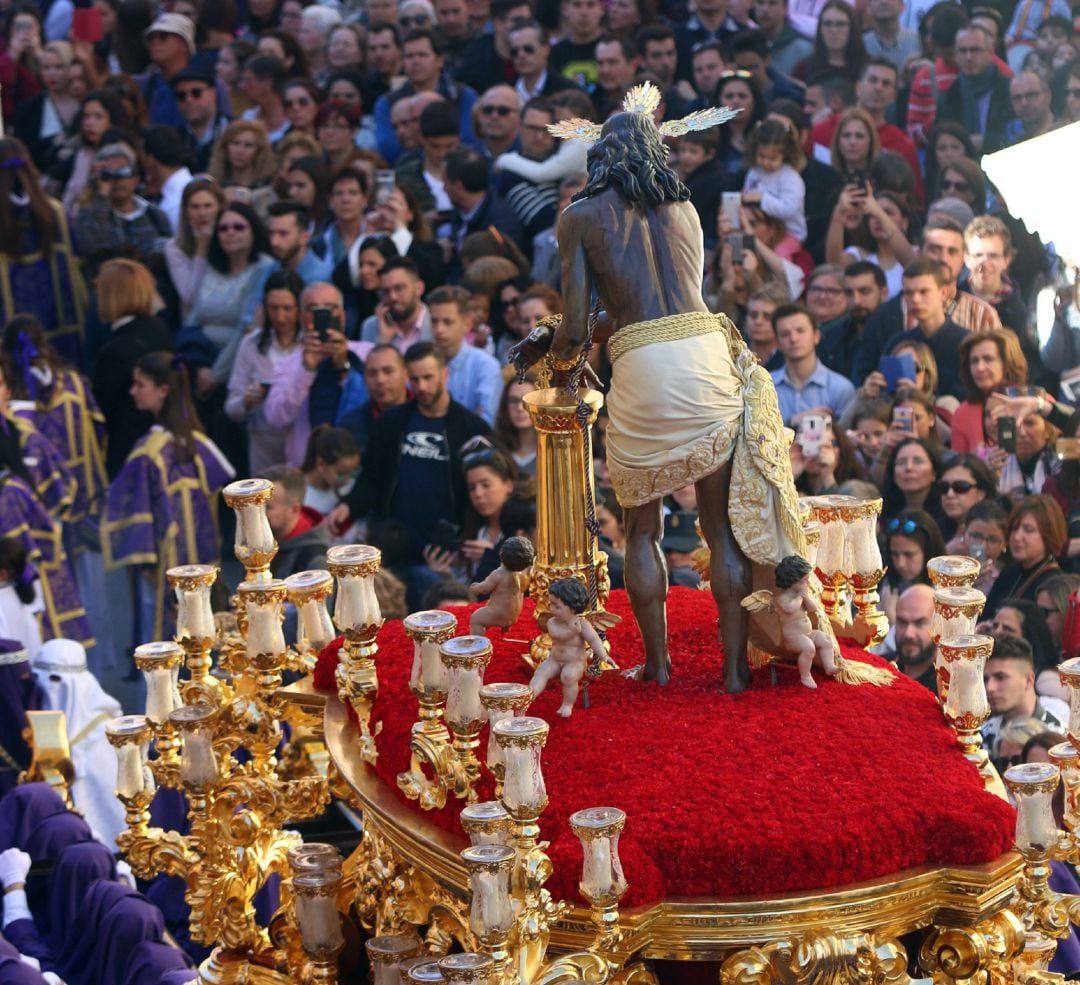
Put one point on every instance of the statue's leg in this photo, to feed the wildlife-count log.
(729, 575)
(647, 585)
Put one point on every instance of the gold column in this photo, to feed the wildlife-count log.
(564, 489)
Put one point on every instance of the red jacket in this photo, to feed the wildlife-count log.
(891, 138)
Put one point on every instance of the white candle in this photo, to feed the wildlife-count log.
(967, 690)
(371, 600)
(463, 698)
(253, 529)
(313, 624)
(1033, 785)
(198, 766)
(866, 555)
(320, 923)
(494, 750)
(351, 610)
(195, 618)
(264, 630)
(432, 671)
(596, 870)
(491, 909)
(162, 693)
(130, 780)
(830, 556)
(386, 973)
(524, 783)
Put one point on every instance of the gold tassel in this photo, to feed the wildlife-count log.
(856, 672)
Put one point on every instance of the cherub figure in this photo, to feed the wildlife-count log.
(571, 634)
(797, 611)
(505, 587)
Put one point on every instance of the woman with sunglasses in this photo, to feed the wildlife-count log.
(910, 481)
(912, 538)
(501, 505)
(964, 180)
(967, 480)
(949, 142)
(301, 102)
(988, 360)
(1037, 535)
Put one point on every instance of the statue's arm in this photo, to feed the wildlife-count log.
(576, 285)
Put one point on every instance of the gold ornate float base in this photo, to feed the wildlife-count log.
(407, 877)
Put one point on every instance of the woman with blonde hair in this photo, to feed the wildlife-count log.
(855, 143)
(242, 155)
(42, 121)
(185, 253)
(126, 301)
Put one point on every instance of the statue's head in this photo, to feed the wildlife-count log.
(631, 158)
(571, 593)
(791, 570)
(517, 553)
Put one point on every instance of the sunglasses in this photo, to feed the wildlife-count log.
(834, 25)
(113, 174)
(233, 227)
(523, 49)
(961, 487)
(948, 185)
(509, 302)
(413, 19)
(496, 110)
(183, 95)
(304, 101)
(898, 526)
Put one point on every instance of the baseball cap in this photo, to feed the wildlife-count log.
(176, 24)
(193, 73)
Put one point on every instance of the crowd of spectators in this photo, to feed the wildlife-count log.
(298, 240)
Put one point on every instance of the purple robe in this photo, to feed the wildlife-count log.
(54, 485)
(48, 937)
(68, 417)
(24, 810)
(151, 960)
(12, 969)
(19, 693)
(49, 287)
(22, 515)
(162, 512)
(1066, 959)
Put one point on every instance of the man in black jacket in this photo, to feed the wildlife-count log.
(412, 470)
(979, 99)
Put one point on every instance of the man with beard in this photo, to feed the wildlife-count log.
(412, 473)
(289, 242)
(401, 319)
(687, 400)
(915, 650)
(865, 289)
(533, 202)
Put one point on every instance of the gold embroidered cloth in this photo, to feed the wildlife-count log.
(686, 396)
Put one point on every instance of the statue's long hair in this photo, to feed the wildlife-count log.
(631, 158)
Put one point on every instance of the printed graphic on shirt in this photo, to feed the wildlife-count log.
(429, 445)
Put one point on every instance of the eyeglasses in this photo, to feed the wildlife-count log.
(833, 25)
(1048, 613)
(952, 185)
(961, 487)
(509, 302)
(831, 292)
(406, 20)
(898, 526)
(523, 49)
(114, 174)
(496, 110)
(1023, 97)
(303, 101)
(233, 227)
(183, 95)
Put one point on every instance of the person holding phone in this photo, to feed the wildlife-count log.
(911, 476)
(1029, 444)
(988, 361)
(502, 504)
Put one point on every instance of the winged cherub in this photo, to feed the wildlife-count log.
(505, 587)
(572, 635)
(797, 610)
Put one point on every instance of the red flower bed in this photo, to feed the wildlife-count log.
(776, 790)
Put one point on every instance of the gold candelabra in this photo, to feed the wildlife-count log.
(237, 810)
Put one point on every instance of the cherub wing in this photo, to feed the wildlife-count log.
(759, 601)
(575, 129)
(602, 621)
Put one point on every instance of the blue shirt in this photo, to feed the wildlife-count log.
(824, 389)
(476, 381)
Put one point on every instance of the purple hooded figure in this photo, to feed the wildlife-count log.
(14, 971)
(114, 919)
(24, 810)
(19, 693)
(151, 961)
(49, 938)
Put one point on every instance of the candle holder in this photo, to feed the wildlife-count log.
(1032, 786)
(486, 823)
(966, 707)
(425, 973)
(357, 617)
(260, 608)
(308, 591)
(502, 701)
(387, 952)
(254, 546)
(602, 881)
(315, 894)
(830, 561)
(864, 564)
(812, 533)
(160, 665)
(491, 912)
(469, 968)
(195, 629)
(1069, 672)
(952, 571)
(198, 762)
(130, 736)
(956, 613)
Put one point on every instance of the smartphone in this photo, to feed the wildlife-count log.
(897, 368)
(447, 536)
(384, 185)
(86, 25)
(1068, 449)
(730, 203)
(324, 320)
(855, 177)
(905, 419)
(812, 430)
(1006, 427)
(1012, 392)
(266, 384)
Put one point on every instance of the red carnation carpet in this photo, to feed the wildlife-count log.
(777, 790)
